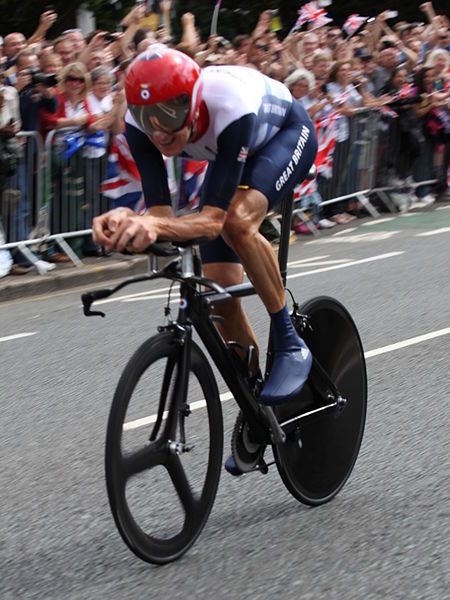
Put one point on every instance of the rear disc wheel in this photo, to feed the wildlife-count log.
(320, 451)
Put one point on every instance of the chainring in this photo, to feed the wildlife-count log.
(246, 454)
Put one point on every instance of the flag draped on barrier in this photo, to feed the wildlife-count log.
(326, 132)
(191, 181)
(76, 140)
(123, 182)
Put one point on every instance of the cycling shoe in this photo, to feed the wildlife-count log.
(231, 467)
(288, 375)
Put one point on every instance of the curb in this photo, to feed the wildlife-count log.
(65, 277)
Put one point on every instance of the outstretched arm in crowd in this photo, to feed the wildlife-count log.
(131, 22)
(290, 52)
(190, 41)
(166, 7)
(263, 24)
(411, 56)
(433, 19)
(46, 20)
(377, 31)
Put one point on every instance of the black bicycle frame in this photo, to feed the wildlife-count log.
(195, 311)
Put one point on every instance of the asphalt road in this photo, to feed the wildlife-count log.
(386, 535)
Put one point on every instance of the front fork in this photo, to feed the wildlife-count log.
(175, 407)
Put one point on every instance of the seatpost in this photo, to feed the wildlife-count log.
(287, 207)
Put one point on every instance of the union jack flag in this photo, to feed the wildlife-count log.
(191, 182)
(123, 182)
(405, 91)
(353, 23)
(311, 13)
(326, 132)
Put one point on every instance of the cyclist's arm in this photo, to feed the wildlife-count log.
(224, 174)
(151, 167)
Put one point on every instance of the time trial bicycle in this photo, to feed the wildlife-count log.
(164, 442)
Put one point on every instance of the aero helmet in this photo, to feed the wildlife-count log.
(163, 83)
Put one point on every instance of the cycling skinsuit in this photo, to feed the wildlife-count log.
(257, 137)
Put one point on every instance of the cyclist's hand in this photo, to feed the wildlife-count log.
(107, 224)
(135, 234)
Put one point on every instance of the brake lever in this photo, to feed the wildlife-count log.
(88, 298)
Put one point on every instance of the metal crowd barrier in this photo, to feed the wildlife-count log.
(21, 201)
(354, 164)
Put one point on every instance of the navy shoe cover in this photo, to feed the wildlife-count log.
(231, 467)
(291, 363)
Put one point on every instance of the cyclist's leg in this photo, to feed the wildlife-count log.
(269, 175)
(221, 264)
(292, 359)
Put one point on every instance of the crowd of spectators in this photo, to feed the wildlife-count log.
(75, 81)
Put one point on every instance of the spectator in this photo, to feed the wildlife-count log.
(66, 50)
(346, 99)
(72, 115)
(332, 37)
(387, 59)
(51, 64)
(405, 131)
(12, 44)
(9, 126)
(439, 59)
(241, 44)
(321, 64)
(300, 83)
(309, 43)
(367, 66)
(35, 94)
(424, 81)
(77, 39)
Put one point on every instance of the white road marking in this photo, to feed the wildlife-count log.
(17, 336)
(345, 231)
(175, 299)
(433, 232)
(320, 263)
(371, 353)
(160, 293)
(372, 236)
(378, 221)
(442, 207)
(345, 265)
(152, 419)
(307, 260)
(410, 342)
(147, 293)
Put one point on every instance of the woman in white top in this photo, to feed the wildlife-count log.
(347, 98)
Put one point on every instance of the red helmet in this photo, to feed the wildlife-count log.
(163, 83)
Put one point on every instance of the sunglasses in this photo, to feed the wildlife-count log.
(73, 78)
(264, 47)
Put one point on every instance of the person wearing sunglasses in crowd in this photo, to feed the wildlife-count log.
(259, 144)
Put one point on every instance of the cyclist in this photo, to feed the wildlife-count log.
(259, 144)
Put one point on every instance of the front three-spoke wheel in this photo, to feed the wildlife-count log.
(163, 450)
